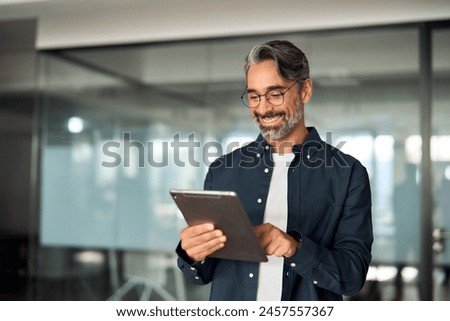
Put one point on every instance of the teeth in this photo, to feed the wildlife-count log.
(270, 119)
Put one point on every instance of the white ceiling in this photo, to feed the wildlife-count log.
(78, 23)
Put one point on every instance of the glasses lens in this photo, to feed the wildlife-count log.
(275, 97)
(250, 100)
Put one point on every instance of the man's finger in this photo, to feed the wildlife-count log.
(199, 252)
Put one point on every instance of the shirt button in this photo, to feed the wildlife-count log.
(293, 265)
(259, 201)
(266, 170)
(250, 275)
(193, 268)
(292, 170)
(197, 278)
(258, 155)
(267, 147)
(315, 282)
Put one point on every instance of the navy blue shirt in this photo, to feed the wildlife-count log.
(329, 209)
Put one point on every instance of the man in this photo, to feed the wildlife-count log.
(310, 203)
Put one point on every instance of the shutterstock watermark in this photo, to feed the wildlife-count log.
(192, 152)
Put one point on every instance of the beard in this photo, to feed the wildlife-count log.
(280, 131)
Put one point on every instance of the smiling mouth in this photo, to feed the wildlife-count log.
(269, 118)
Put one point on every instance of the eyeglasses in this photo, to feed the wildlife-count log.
(274, 97)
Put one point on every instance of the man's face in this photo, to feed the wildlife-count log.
(275, 122)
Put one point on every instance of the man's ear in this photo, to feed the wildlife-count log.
(306, 91)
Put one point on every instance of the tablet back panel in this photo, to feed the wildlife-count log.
(226, 212)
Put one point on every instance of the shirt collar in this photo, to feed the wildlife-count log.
(312, 140)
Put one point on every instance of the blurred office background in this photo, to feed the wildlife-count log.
(87, 84)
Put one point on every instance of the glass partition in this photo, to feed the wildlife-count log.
(440, 156)
(123, 125)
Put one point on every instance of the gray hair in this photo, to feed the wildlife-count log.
(291, 62)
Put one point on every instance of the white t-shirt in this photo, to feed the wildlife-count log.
(270, 279)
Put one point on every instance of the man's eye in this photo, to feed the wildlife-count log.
(275, 95)
(253, 97)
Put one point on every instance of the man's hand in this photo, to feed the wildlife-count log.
(275, 241)
(201, 240)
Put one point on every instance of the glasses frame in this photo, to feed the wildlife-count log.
(265, 95)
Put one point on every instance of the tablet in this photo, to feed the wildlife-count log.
(226, 212)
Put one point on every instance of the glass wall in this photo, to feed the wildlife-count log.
(123, 125)
(440, 156)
